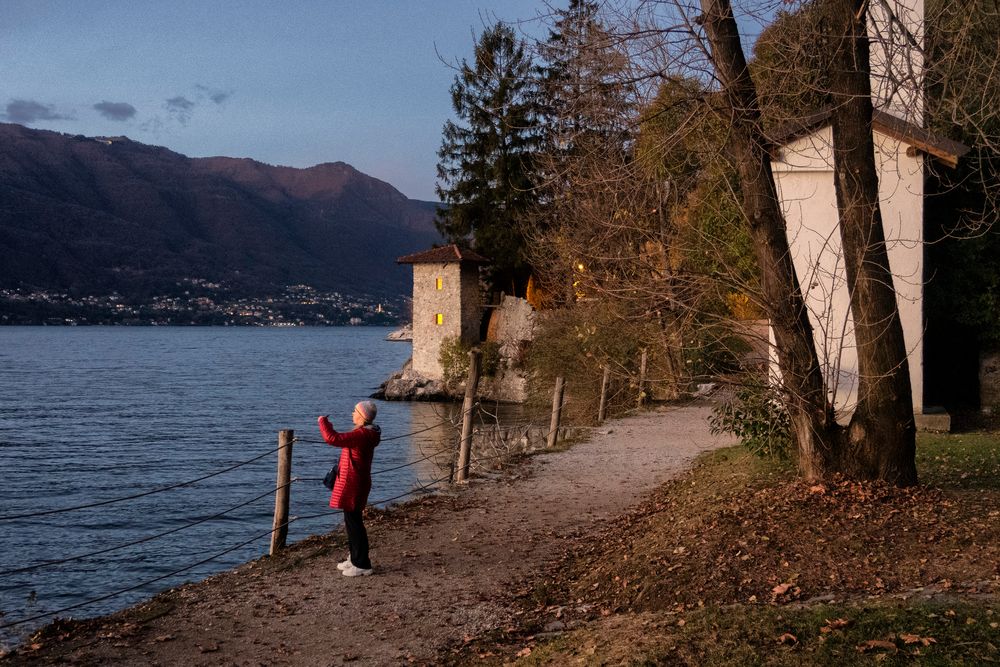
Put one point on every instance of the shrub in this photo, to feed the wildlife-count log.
(758, 418)
(454, 359)
(577, 341)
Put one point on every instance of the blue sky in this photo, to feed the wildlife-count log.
(294, 83)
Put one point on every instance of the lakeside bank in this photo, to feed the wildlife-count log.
(447, 567)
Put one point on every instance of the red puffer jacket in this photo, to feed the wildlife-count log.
(354, 479)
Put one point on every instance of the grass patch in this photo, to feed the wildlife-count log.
(885, 632)
(959, 461)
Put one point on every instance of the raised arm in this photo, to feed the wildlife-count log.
(349, 439)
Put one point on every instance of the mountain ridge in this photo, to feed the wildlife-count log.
(95, 214)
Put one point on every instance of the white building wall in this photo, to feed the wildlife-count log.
(897, 67)
(804, 177)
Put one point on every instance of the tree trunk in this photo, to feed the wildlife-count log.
(813, 427)
(879, 442)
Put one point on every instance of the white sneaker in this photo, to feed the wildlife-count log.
(343, 565)
(352, 571)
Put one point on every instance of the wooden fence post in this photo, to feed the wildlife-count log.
(282, 493)
(602, 410)
(557, 399)
(465, 448)
(642, 377)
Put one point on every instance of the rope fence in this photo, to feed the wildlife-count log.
(162, 489)
(137, 542)
(191, 482)
(458, 471)
(421, 488)
(122, 591)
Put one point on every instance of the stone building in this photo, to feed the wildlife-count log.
(446, 302)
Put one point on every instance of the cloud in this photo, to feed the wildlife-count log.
(179, 103)
(29, 111)
(214, 94)
(181, 108)
(154, 126)
(119, 111)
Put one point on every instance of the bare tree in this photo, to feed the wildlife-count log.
(620, 233)
(879, 441)
(599, 230)
(810, 413)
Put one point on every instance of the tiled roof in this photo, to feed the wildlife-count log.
(443, 255)
(947, 150)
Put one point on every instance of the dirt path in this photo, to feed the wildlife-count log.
(440, 576)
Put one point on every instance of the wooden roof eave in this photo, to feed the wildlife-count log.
(918, 139)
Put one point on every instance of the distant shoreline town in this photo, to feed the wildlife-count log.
(197, 302)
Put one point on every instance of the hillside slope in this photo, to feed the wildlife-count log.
(93, 215)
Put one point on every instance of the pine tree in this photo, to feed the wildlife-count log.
(486, 159)
(585, 117)
(582, 101)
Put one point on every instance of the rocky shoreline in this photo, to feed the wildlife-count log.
(409, 385)
(403, 334)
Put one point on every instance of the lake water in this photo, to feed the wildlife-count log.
(89, 414)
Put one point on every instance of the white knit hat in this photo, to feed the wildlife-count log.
(368, 410)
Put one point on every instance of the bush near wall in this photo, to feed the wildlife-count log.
(454, 358)
(576, 342)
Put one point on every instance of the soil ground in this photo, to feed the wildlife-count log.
(449, 568)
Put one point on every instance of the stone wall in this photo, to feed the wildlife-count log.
(491, 441)
(512, 324)
(512, 327)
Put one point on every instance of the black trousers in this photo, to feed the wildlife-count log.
(357, 539)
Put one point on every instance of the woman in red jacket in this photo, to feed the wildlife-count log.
(354, 481)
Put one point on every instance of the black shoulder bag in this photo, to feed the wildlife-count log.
(331, 477)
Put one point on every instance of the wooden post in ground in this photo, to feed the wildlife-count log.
(602, 410)
(282, 493)
(465, 448)
(642, 378)
(557, 399)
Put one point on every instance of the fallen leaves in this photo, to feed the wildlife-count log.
(835, 624)
(916, 639)
(890, 644)
(839, 537)
(875, 645)
(785, 592)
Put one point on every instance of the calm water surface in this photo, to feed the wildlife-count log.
(95, 413)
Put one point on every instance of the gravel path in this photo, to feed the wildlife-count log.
(439, 578)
